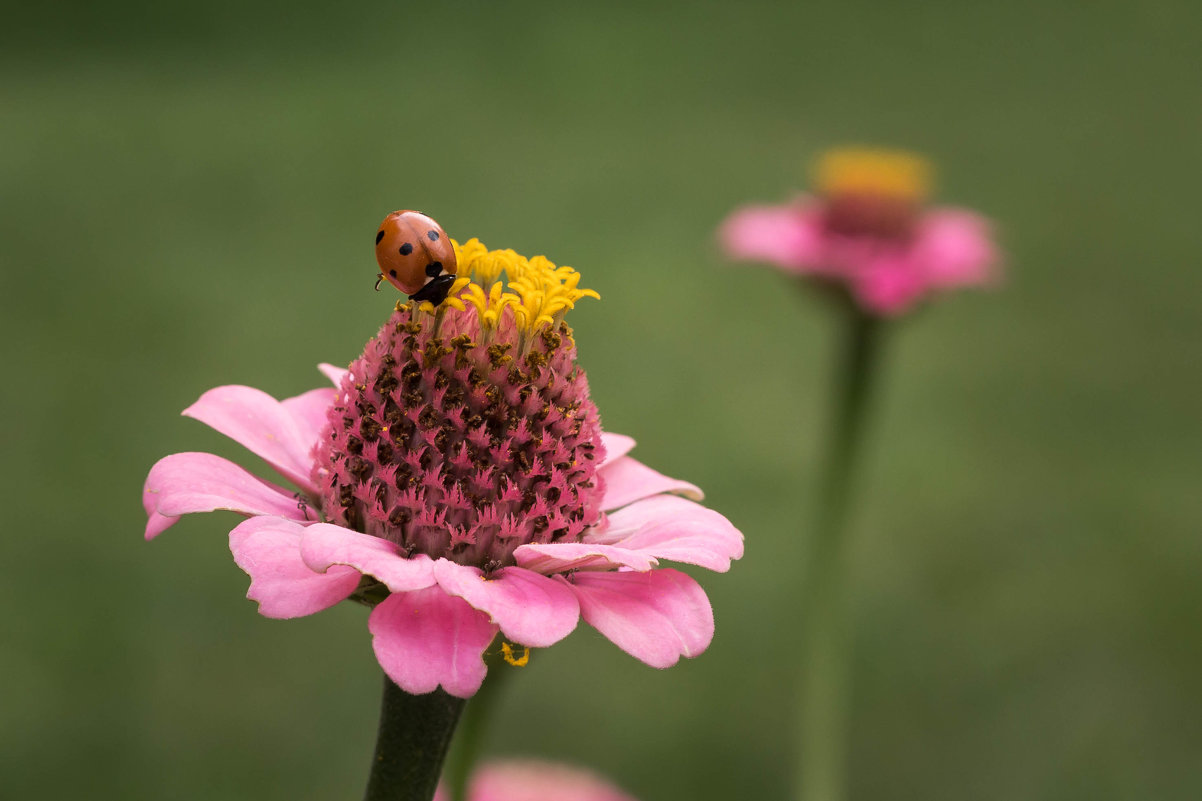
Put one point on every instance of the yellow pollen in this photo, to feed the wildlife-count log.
(467, 253)
(863, 171)
(489, 306)
(517, 661)
(536, 291)
(452, 298)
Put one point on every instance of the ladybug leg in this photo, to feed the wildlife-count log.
(435, 291)
(301, 504)
(379, 278)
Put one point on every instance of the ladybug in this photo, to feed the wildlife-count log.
(416, 256)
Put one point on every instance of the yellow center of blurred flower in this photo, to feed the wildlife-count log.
(893, 174)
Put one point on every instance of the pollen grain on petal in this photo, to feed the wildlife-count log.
(508, 653)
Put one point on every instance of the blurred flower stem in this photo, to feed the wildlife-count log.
(415, 732)
(826, 636)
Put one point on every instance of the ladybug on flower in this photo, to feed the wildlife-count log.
(416, 256)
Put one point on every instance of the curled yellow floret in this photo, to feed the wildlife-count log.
(891, 173)
(489, 306)
(537, 291)
(467, 253)
(509, 652)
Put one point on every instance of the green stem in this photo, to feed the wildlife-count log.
(415, 732)
(825, 610)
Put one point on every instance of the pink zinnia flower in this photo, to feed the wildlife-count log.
(529, 780)
(868, 231)
(459, 483)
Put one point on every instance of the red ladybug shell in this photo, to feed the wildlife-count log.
(413, 250)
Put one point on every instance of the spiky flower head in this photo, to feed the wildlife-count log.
(465, 491)
(868, 233)
(466, 430)
(871, 192)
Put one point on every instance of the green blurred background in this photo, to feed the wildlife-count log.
(187, 198)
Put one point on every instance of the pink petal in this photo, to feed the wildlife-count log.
(333, 373)
(264, 426)
(184, 483)
(310, 411)
(539, 781)
(890, 285)
(656, 617)
(955, 248)
(530, 609)
(668, 527)
(786, 236)
(616, 446)
(427, 638)
(156, 523)
(559, 557)
(628, 480)
(268, 549)
(324, 545)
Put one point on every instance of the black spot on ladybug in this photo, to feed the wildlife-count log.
(392, 273)
(433, 269)
(406, 249)
(379, 235)
(433, 235)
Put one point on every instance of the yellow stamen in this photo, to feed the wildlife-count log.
(519, 661)
(452, 298)
(490, 306)
(889, 173)
(537, 292)
(466, 253)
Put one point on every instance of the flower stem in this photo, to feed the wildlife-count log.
(415, 732)
(823, 718)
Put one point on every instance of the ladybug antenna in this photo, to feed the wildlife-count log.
(379, 278)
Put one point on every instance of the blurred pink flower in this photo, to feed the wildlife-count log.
(868, 231)
(537, 781)
(459, 483)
